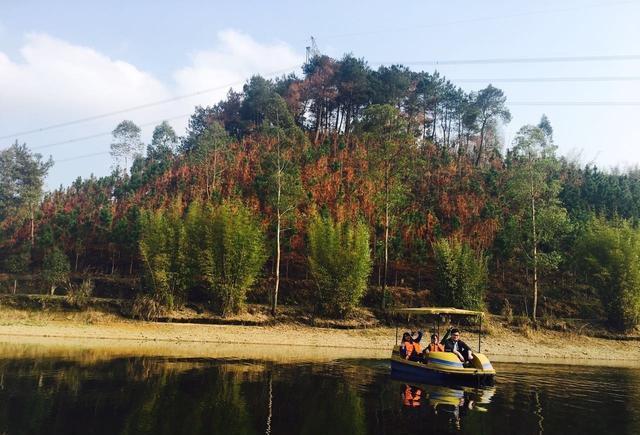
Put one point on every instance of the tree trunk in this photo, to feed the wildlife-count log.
(274, 305)
(215, 169)
(318, 126)
(15, 286)
(479, 156)
(32, 227)
(535, 256)
(386, 238)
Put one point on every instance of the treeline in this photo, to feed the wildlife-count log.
(407, 158)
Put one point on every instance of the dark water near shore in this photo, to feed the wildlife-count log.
(172, 396)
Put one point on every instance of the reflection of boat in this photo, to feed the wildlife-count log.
(446, 397)
(443, 366)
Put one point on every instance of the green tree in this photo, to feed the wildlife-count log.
(22, 175)
(18, 263)
(608, 252)
(490, 107)
(385, 132)
(234, 254)
(461, 274)
(281, 185)
(538, 219)
(164, 139)
(55, 269)
(340, 262)
(126, 143)
(161, 244)
(210, 152)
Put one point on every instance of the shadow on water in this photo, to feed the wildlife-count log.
(197, 396)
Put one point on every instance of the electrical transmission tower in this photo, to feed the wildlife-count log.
(312, 50)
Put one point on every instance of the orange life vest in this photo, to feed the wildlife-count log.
(408, 349)
(417, 347)
(433, 347)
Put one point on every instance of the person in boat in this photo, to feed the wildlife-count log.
(458, 347)
(410, 347)
(434, 345)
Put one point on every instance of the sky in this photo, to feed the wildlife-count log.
(64, 61)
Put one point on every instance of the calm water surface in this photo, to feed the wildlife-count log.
(187, 396)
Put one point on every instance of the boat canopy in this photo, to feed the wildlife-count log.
(436, 311)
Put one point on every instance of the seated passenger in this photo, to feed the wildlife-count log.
(417, 347)
(457, 346)
(435, 345)
(406, 346)
(410, 347)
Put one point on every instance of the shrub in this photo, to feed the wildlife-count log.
(233, 255)
(609, 253)
(147, 307)
(461, 275)
(78, 294)
(340, 262)
(507, 311)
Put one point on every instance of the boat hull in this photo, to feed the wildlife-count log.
(443, 367)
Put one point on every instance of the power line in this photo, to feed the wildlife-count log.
(548, 79)
(419, 62)
(516, 60)
(514, 103)
(82, 156)
(480, 19)
(575, 103)
(138, 107)
(107, 133)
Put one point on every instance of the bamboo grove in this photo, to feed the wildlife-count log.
(405, 159)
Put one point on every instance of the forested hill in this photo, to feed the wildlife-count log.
(417, 161)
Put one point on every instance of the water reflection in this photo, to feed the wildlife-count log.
(443, 406)
(187, 396)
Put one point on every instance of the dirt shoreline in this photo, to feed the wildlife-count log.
(100, 335)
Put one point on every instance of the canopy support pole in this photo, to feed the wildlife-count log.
(479, 335)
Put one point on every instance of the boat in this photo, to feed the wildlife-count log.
(442, 366)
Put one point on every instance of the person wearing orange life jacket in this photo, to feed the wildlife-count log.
(435, 345)
(410, 347)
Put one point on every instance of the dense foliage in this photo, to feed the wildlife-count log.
(411, 156)
(610, 255)
(340, 262)
(461, 275)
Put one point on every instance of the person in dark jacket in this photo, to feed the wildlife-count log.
(457, 346)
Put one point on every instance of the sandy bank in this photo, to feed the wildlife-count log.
(100, 335)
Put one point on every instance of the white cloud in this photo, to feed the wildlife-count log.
(235, 57)
(57, 79)
(54, 81)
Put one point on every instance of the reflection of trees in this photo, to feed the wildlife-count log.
(123, 396)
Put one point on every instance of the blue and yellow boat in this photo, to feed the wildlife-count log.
(442, 366)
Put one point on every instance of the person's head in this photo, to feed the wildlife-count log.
(435, 338)
(406, 336)
(455, 334)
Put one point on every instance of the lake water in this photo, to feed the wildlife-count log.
(150, 395)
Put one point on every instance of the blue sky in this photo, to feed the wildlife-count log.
(63, 60)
